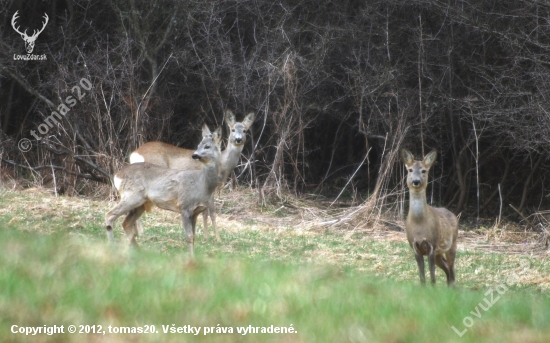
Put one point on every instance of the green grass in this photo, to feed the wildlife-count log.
(56, 269)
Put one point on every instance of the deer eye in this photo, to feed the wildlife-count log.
(423, 171)
(410, 170)
(233, 130)
(207, 146)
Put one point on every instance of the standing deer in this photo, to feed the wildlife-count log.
(430, 231)
(142, 185)
(178, 158)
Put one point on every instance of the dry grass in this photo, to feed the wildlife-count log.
(239, 210)
(300, 224)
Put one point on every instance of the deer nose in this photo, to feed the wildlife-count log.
(195, 156)
(238, 139)
(416, 183)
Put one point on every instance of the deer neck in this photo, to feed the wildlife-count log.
(228, 161)
(418, 205)
(209, 175)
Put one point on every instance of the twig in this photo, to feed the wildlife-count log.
(152, 83)
(500, 208)
(351, 178)
(54, 180)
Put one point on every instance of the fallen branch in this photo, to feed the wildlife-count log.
(524, 218)
(106, 176)
(51, 166)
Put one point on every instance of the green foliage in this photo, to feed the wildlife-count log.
(329, 287)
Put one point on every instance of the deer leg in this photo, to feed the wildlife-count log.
(120, 208)
(194, 225)
(139, 227)
(442, 263)
(194, 221)
(129, 224)
(205, 223)
(189, 231)
(212, 213)
(431, 264)
(451, 255)
(420, 261)
(233, 181)
(110, 218)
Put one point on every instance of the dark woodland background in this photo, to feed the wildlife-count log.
(338, 88)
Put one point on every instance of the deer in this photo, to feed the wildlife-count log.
(173, 157)
(430, 231)
(188, 192)
(29, 40)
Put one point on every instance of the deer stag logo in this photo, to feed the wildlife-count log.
(29, 40)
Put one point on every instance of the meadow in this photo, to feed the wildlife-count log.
(270, 280)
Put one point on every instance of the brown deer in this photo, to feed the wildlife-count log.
(188, 192)
(178, 158)
(430, 231)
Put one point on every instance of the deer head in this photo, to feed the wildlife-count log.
(29, 40)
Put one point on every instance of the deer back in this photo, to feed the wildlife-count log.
(166, 155)
(173, 189)
(170, 156)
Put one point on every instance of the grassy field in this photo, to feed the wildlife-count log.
(268, 274)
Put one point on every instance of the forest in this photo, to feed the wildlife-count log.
(338, 89)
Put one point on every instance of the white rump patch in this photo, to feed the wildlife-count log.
(136, 158)
(118, 182)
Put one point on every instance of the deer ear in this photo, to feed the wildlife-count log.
(205, 130)
(429, 159)
(248, 120)
(229, 118)
(217, 135)
(407, 157)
